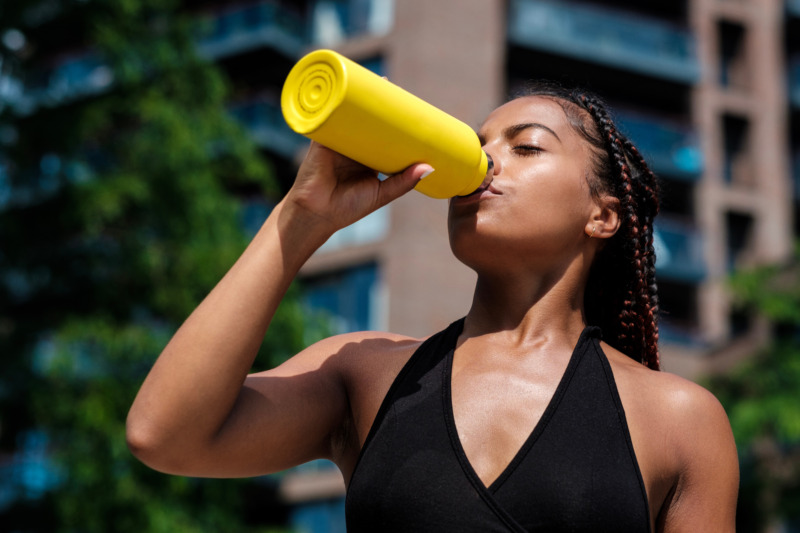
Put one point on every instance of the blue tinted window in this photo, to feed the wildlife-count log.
(346, 296)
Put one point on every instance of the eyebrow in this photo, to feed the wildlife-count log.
(517, 128)
(511, 131)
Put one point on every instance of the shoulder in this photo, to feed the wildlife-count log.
(705, 459)
(684, 436)
(352, 349)
(681, 405)
(345, 363)
(339, 351)
(368, 357)
(362, 363)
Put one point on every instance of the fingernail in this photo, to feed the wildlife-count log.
(427, 173)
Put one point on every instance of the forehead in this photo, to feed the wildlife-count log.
(529, 109)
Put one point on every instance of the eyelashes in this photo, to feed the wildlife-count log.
(526, 149)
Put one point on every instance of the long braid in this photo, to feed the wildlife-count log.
(622, 279)
(650, 185)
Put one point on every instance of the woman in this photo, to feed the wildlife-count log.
(516, 418)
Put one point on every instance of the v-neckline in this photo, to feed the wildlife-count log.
(536, 431)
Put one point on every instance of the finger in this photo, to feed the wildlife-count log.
(316, 149)
(397, 185)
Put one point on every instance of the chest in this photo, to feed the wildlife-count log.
(496, 404)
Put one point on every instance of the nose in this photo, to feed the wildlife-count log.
(494, 164)
(487, 180)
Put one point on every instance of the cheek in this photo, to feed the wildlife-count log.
(554, 199)
(539, 212)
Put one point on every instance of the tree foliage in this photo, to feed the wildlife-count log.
(120, 211)
(762, 398)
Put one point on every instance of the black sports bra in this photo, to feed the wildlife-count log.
(576, 472)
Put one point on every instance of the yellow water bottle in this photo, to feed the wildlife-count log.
(351, 110)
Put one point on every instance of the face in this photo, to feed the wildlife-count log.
(539, 203)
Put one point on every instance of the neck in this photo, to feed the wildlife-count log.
(527, 307)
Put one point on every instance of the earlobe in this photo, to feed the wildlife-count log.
(605, 220)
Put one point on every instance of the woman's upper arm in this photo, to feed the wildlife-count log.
(281, 418)
(704, 498)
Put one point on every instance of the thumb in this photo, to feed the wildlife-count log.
(397, 185)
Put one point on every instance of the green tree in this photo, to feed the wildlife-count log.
(762, 398)
(120, 210)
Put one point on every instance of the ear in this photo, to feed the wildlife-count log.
(604, 220)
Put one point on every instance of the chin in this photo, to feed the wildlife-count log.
(469, 225)
(478, 250)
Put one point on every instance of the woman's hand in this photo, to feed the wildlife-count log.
(340, 191)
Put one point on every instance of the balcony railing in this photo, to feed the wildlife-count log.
(679, 251)
(605, 36)
(670, 149)
(79, 76)
(242, 28)
(227, 32)
(265, 122)
(336, 20)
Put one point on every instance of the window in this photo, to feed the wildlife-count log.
(733, 71)
(737, 165)
(739, 230)
(678, 317)
(350, 297)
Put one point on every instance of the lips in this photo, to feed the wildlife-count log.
(485, 186)
(483, 192)
(477, 191)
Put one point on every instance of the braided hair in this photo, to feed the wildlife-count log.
(621, 294)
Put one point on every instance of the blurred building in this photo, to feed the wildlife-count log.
(709, 90)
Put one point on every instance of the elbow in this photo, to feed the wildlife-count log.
(145, 445)
(140, 440)
(157, 450)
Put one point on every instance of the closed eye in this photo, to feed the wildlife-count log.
(527, 149)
